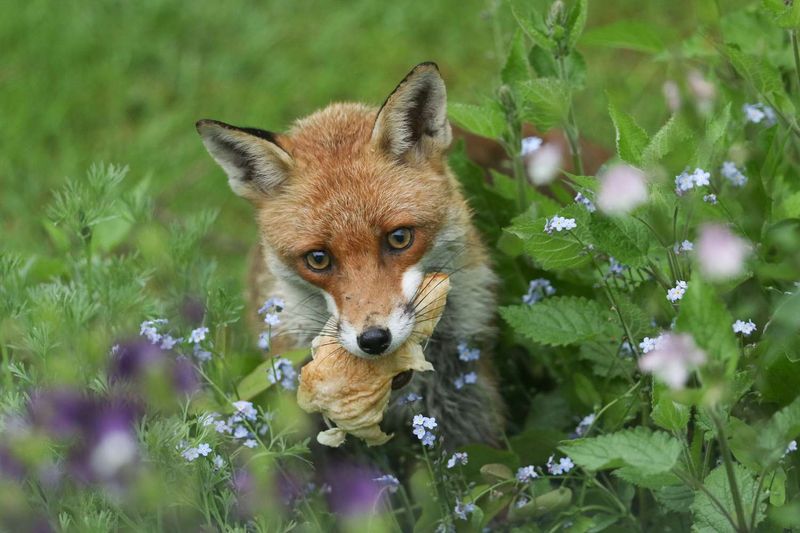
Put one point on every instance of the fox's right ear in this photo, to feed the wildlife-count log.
(252, 158)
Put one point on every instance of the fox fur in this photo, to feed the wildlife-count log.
(340, 180)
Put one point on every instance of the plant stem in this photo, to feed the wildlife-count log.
(755, 503)
(571, 131)
(793, 33)
(727, 460)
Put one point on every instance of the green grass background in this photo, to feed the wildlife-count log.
(124, 82)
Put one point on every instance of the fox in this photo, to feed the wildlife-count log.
(354, 205)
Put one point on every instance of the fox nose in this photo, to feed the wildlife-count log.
(374, 341)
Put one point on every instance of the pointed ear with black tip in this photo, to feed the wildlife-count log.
(253, 160)
(412, 123)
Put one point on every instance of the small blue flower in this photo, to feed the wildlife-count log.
(240, 432)
(389, 482)
(710, 199)
(245, 409)
(461, 510)
(422, 427)
(411, 397)
(530, 145)
(272, 304)
(204, 449)
(264, 340)
(563, 466)
(198, 335)
(281, 371)
(272, 319)
(581, 199)
(538, 289)
(526, 474)
(458, 458)
(250, 443)
(467, 354)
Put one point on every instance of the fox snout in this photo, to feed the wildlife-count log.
(374, 341)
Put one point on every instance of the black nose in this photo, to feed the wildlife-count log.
(374, 341)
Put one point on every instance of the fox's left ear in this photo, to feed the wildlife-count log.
(412, 123)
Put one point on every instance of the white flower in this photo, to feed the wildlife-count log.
(563, 466)
(250, 443)
(733, 174)
(648, 345)
(204, 449)
(115, 450)
(263, 340)
(745, 328)
(677, 292)
(721, 254)
(558, 223)
(710, 198)
(585, 202)
(190, 454)
(458, 458)
(701, 177)
(584, 425)
(218, 462)
(198, 335)
(792, 447)
(526, 474)
(272, 319)
(543, 164)
(622, 189)
(673, 359)
(683, 182)
(530, 145)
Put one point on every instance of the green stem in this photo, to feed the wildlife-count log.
(755, 503)
(793, 33)
(727, 460)
(571, 131)
(9, 380)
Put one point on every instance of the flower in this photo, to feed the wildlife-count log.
(710, 199)
(584, 425)
(701, 177)
(530, 145)
(615, 268)
(469, 378)
(757, 113)
(190, 454)
(721, 254)
(149, 329)
(792, 447)
(240, 432)
(198, 335)
(461, 510)
(685, 181)
(411, 397)
(281, 371)
(745, 328)
(558, 223)
(218, 462)
(581, 199)
(622, 189)
(542, 166)
(677, 292)
(389, 482)
(467, 354)
(526, 474)
(733, 174)
(245, 409)
(522, 502)
(250, 443)
(115, 450)
(168, 342)
(538, 289)
(220, 426)
(458, 458)
(685, 246)
(422, 426)
(263, 340)
(648, 345)
(703, 90)
(675, 356)
(201, 354)
(272, 319)
(563, 466)
(204, 449)
(273, 303)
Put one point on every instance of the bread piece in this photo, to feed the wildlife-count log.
(353, 392)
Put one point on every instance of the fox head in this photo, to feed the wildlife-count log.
(354, 202)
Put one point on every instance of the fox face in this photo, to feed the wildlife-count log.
(356, 204)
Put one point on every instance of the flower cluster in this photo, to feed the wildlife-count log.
(558, 223)
(563, 466)
(462, 509)
(526, 474)
(281, 371)
(677, 292)
(458, 458)
(581, 199)
(745, 328)
(422, 427)
(150, 329)
(467, 354)
(238, 425)
(466, 378)
(710, 198)
(538, 289)
(733, 174)
(530, 145)
(686, 181)
(685, 246)
(270, 310)
(192, 453)
(758, 113)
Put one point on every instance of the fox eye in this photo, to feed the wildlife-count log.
(318, 260)
(400, 238)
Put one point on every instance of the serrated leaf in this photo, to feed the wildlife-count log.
(560, 320)
(665, 140)
(645, 452)
(667, 413)
(775, 435)
(676, 498)
(529, 22)
(557, 250)
(576, 22)
(786, 14)
(544, 101)
(631, 139)
(625, 34)
(650, 481)
(703, 314)
(516, 68)
(764, 77)
(486, 120)
(623, 237)
(708, 517)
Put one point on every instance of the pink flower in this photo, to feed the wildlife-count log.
(622, 189)
(543, 164)
(673, 359)
(721, 253)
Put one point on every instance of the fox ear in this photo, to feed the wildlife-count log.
(412, 123)
(252, 158)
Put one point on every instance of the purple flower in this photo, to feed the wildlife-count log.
(622, 189)
(355, 489)
(721, 254)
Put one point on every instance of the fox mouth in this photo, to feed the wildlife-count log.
(402, 379)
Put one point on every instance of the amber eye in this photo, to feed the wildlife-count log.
(318, 260)
(400, 238)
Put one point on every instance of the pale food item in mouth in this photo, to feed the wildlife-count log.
(353, 392)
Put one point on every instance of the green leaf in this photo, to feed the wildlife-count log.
(623, 237)
(667, 413)
(256, 381)
(560, 320)
(530, 22)
(665, 140)
(626, 34)
(649, 481)
(645, 452)
(786, 14)
(486, 120)
(544, 101)
(676, 498)
(516, 68)
(764, 77)
(557, 250)
(576, 21)
(708, 517)
(631, 139)
(703, 314)
(775, 435)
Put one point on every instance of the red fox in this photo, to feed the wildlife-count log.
(354, 205)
